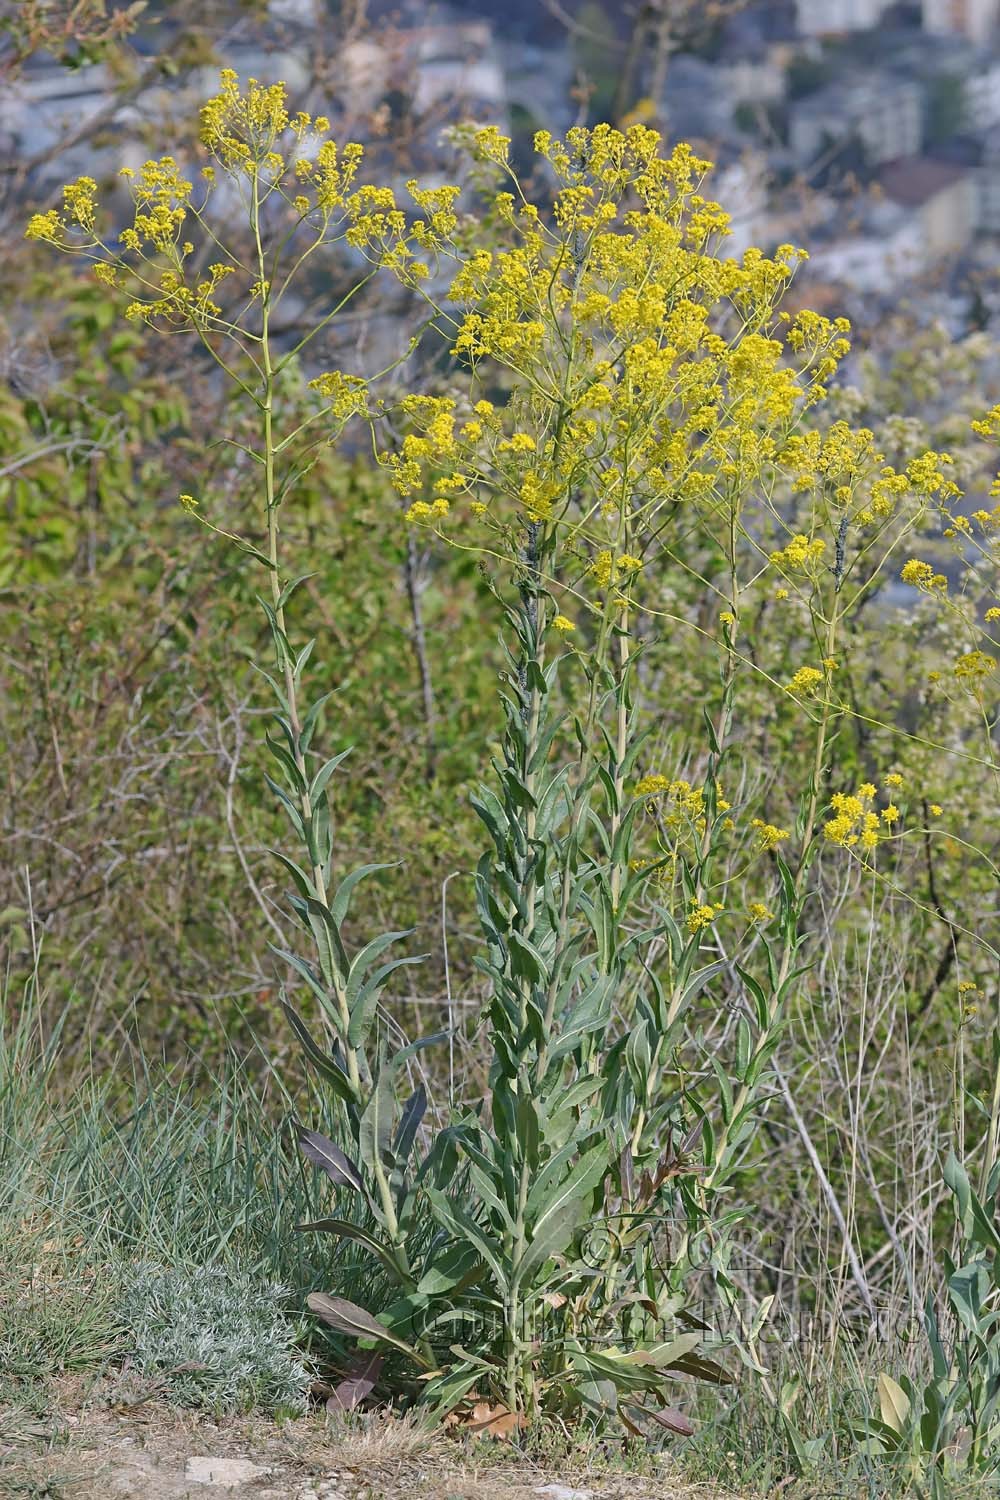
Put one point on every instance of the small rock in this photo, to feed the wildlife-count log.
(563, 1492)
(224, 1473)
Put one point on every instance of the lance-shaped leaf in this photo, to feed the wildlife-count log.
(364, 1003)
(409, 1123)
(556, 1213)
(327, 1155)
(341, 902)
(463, 1227)
(333, 958)
(893, 1402)
(348, 1317)
(319, 781)
(324, 1065)
(375, 1129)
(345, 1229)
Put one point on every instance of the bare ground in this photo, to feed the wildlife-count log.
(148, 1451)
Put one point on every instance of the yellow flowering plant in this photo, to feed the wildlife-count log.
(623, 395)
(628, 434)
(276, 192)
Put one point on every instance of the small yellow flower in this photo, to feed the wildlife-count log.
(563, 624)
(650, 785)
(768, 836)
(759, 912)
(893, 779)
(43, 226)
(701, 916)
(805, 680)
(936, 809)
(920, 575)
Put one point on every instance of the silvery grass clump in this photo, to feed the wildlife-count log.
(214, 1338)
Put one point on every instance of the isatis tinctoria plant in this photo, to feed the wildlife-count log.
(628, 405)
(619, 401)
(217, 261)
(628, 398)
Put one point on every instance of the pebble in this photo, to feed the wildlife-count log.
(563, 1492)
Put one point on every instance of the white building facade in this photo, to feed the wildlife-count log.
(975, 19)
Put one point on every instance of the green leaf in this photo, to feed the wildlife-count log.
(345, 1229)
(291, 586)
(968, 1288)
(319, 781)
(555, 1211)
(375, 1128)
(894, 1403)
(340, 904)
(310, 721)
(456, 1267)
(365, 1003)
(463, 1227)
(367, 956)
(744, 1043)
(526, 961)
(301, 880)
(552, 1236)
(323, 1064)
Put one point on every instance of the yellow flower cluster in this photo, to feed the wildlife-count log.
(988, 426)
(658, 370)
(856, 822)
(240, 128)
(432, 444)
(608, 569)
(920, 575)
(249, 132)
(346, 395)
(701, 915)
(805, 681)
(973, 666)
(759, 912)
(435, 511)
(768, 836)
(687, 802)
(800, 552)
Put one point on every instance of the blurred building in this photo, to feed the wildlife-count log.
(975, 19)
(882, 112)
(942, 198)
(988, 184)
(833, 17)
